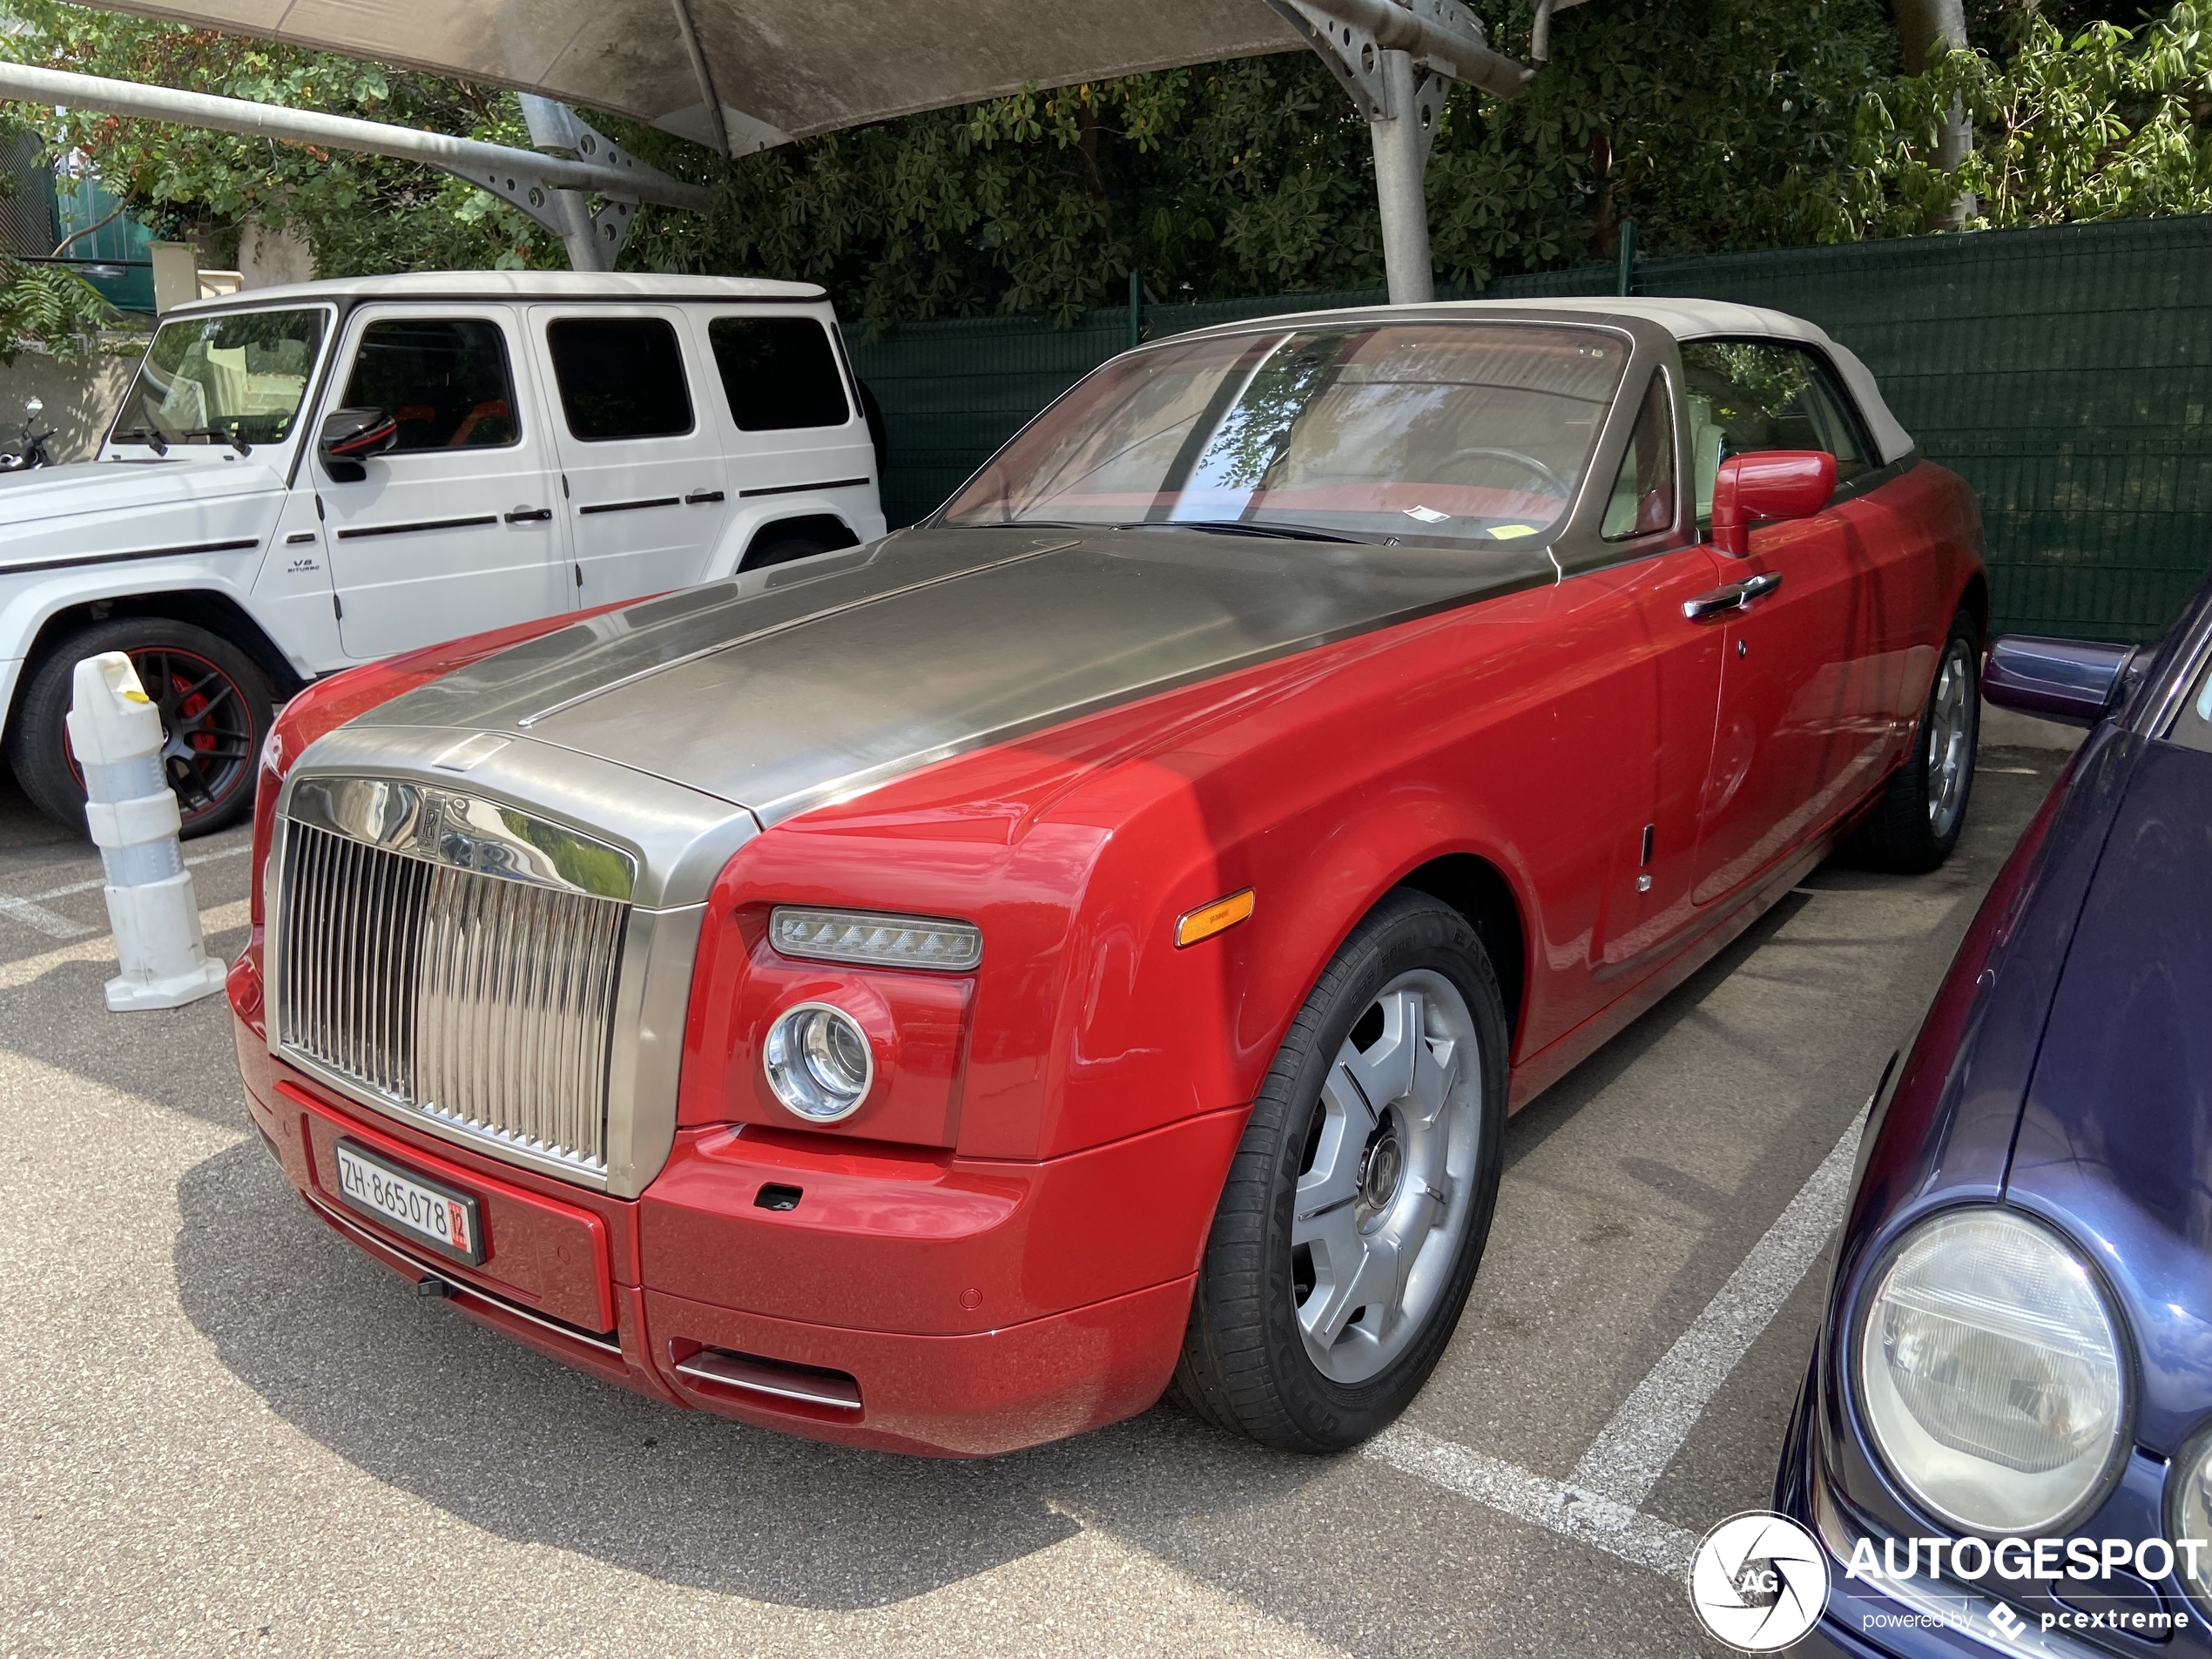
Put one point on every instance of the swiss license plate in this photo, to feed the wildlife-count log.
(423, 1208)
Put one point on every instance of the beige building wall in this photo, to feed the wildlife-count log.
(267, 258)
(80, 398)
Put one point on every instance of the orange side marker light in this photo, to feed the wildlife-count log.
(1210, 919)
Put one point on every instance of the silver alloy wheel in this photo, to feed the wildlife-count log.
(1387, 1186)
(1950, 759)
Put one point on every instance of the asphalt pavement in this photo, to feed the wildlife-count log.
(226, 1432)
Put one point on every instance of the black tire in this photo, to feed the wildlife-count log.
(1911, 829)
(783, 550)
(1246, 1366)
(215, 704)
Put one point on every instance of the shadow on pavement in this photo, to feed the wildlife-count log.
(416, 1396)
(181, 1059)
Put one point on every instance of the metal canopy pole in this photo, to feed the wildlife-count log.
(1398, 60)
(1403, 141)
(548, 188)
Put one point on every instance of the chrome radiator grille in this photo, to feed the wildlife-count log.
(481, 1001)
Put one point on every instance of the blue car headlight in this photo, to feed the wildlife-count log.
(2188, 1515)
(1990, 1376)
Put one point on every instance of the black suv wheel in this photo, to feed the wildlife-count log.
(215, 711)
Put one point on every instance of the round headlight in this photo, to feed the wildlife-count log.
(1989, 1373)
(818, 1060)
(2189, 1514)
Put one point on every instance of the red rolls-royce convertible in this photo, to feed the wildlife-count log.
(941, 996)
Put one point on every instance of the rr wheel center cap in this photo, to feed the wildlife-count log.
(1379, 1172)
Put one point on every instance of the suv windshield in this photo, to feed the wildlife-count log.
(1441, 433)
(214, 380)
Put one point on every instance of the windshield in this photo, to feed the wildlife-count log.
(1439, 433)
(214, 380)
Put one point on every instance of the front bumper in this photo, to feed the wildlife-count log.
(1923, 1620)
(921, 1303)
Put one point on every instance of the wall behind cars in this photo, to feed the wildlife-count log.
(2065, 372)
(80, 398)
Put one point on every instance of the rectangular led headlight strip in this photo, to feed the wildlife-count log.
(875, 940)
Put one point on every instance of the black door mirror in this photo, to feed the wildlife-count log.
(350, 436)
(2072, 681)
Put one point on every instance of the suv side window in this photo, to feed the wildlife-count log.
(779, 373)
(1744, 395)
(445, 380)
(620, 377)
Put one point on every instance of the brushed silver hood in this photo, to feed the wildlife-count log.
(850, 670)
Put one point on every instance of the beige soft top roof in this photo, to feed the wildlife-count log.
(1723, 319)
(779, 69)
(1685, 319)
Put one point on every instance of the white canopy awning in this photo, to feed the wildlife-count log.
(778, 69)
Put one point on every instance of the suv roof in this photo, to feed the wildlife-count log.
(513, 285)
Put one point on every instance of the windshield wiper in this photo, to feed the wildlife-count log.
(1210, 526)
(144, 434)
(230, 437)
(1242, 526)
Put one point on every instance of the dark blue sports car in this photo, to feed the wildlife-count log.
(2004, 1439)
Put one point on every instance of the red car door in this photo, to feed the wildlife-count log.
(1619, 724)
(1793, 743)
(1671, 678)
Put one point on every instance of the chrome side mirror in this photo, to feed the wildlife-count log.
(2072, 681)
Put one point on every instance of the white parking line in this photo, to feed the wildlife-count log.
(35, 915)
(1598, 1504)
(1633, 1451)
(26, 969)
(31, 911)
(1617, 1529)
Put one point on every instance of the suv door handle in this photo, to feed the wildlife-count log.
(698, 496)
(528, 514)
(1734, 596)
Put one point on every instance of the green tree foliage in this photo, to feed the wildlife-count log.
(42, 304)
(1714, 122)
(2111, 124)
(50, 307)
(361, 214)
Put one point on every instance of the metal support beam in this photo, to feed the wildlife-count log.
(545, 187)
(593, 240)
(1397, 58)
(696, 55)
(1403, 141)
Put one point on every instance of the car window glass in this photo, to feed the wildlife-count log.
(445, 380)
(620, 377)
(212, 379)
(779, 373)
(1746, 395)
(1428, 434)
(1643, 490)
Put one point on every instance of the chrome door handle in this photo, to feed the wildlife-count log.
(1734, 596)
(528, 514)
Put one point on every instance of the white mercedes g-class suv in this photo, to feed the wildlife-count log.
(303, 478)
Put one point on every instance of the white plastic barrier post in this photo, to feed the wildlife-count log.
(116, 733)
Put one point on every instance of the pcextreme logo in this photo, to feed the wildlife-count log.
(1758, 1582)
